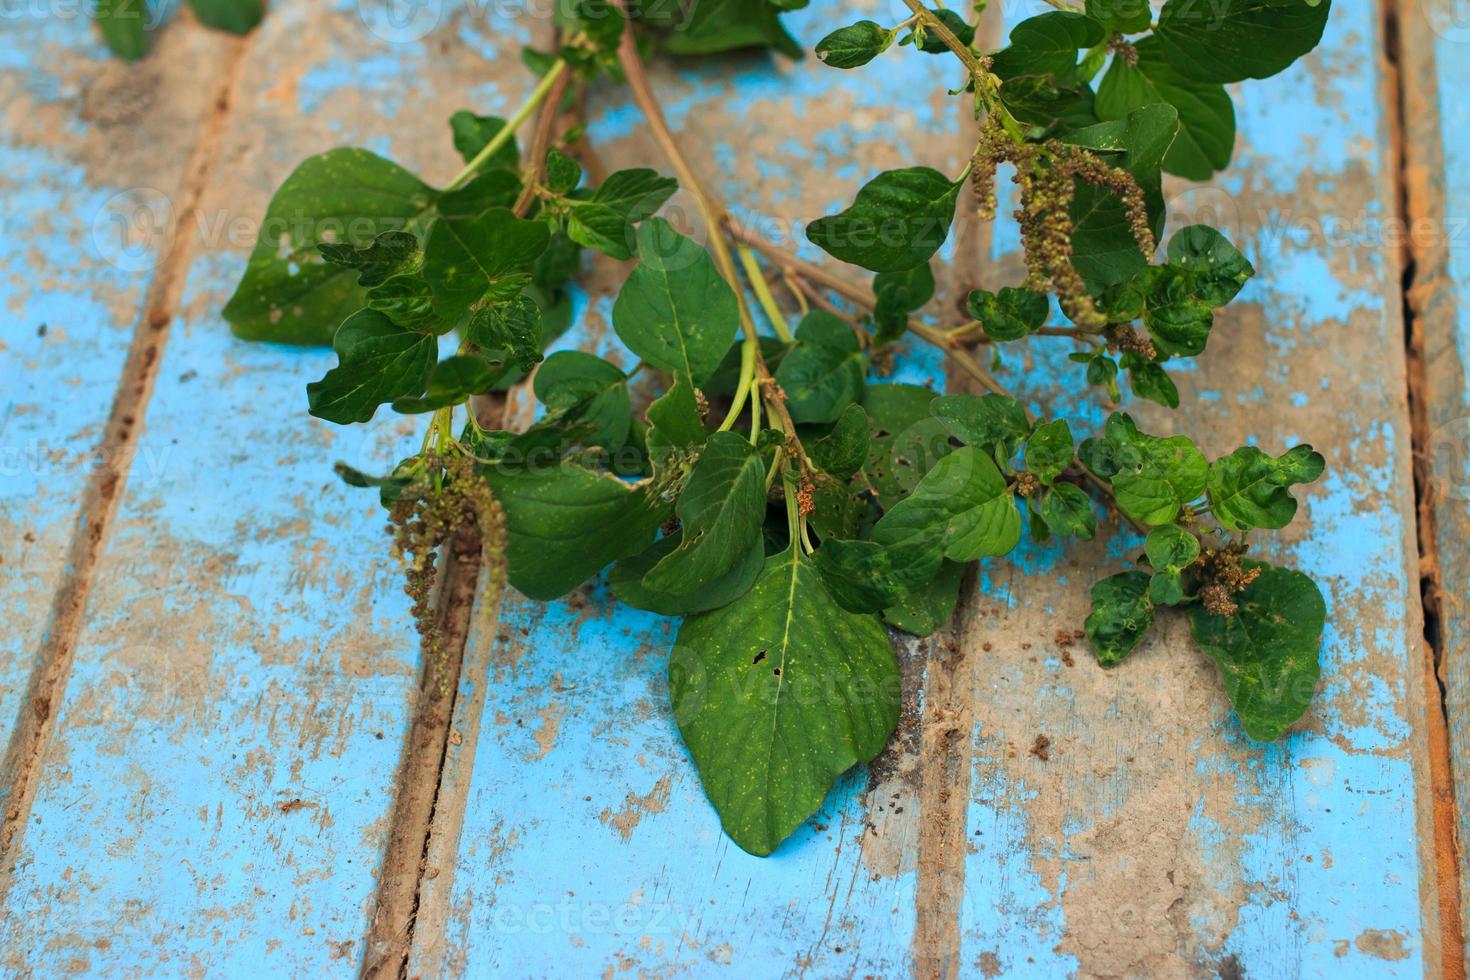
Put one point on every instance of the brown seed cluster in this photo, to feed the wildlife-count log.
(451, 497)
(1027, 484)
(1046, 174)
(1224, 578)
(806, 501)
(1124, 338)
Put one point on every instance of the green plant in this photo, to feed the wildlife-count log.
(127, 25)
(785, 507)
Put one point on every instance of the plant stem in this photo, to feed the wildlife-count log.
(934, 25)
(763, 292)
(540, 143)
(543, 88)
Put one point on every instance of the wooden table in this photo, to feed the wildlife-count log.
(209, 676)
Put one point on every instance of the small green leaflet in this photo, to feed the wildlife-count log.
(1120, 16)
(626, 580)
(379, 361)
(1267, 651)
(1066, 510)
(906, 440)
(1232, 40)
(675, 311)
(1049, 450)
(823, 373)
(564, 524)
(855, 45)
(1204, 271)
(1121, 614)
(933, 43)
(1206, 114)
(721, 509)
(1216, 267)
(235, 16)
(869, 576)
(1249, 489)
(606, 220)
(992, 422)
(777, 695)
(473, 133)
(965, 501)
(1010, 314)
(674, 420)
(1153, 478)
(390, 254)
(289, 294)
(898, 220)
(123, 24)
(1170, 549)
(928, 608)
(898, 294)
(452, 382)
(842, 451)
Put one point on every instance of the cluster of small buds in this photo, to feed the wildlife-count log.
(1224, 578)
(994, 148)
(1125, 339)
(1085, 166)
(806, 501)
(1027, 484)
(429, 514)
(1123, 49)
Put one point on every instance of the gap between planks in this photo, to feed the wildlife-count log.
(20, 770)
(1413, 102)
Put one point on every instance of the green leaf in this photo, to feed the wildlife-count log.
(1153, 478)
(675, 311)
(776, 695)
(1249, 489)
(1268, 650)
(1041, 101)
(378, 361)
(473, 133)
(626, 581)
(854, 45)
(453, 381)
(289, 294)
(390, 254)
(1170, 550)
(721, 509)
(406, 300)
(512, 324)
(563, 174)
(823, 373)
(933, 44)
(1049, 450)
(1151, 381)
(1047, 45)
(606, 221)
(674, 419)
(495, 189)
(712, 26)
(1233, 40)
(930, 607)
(1216, 269)
(1104, 249)
(123, 24)
(1121, 16)
(1010, 315)
(235, 16)
(598, 392)
(965, 501)
(1121, 614)
(898, 220)
(994, 423)
(565, 524)
(1066, 510)
(866, 576)
(842, 451)
(897, 295)
(906, 440)
(1206, 115)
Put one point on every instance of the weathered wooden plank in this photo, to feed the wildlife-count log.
(1155, 839)
(91, 152)
(572, 835)
(215, 797)
(1434, 74)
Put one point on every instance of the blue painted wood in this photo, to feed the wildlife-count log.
(1156, 839)
(85, 170)
(215, 796)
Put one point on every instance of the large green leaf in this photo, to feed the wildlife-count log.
(823, 373)
(675, 311)
(1232, 40)
(721, 509)
(778, 694)
(898, 220)
(607, 220)
(289, 293)
(1153, 477)
(867, 576)
(564, 524)
(1121, 615)
(1206, 115)
(626, 580)
(929, 607)
(712, 26)
(378, 361)
(963, 502)
(452, 381)
(598, 392)
(1047, 44)
(1268, 650)
(1249, 489)
(994, 423)
(235, 16)
(473, 133)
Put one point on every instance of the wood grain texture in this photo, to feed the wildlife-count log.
(214, 799)
(1155, 838)
(1435, 68)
